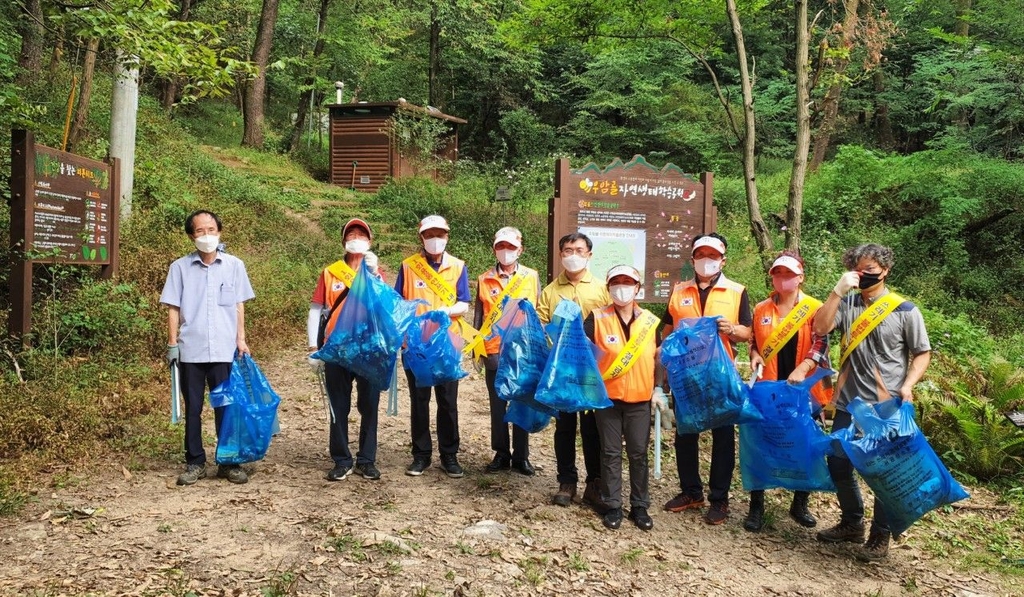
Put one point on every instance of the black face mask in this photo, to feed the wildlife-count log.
(868, 280)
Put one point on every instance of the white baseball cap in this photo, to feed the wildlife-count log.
(789, 263)
(433, 222)
(623, 270)
(708, 241)
(509, 235)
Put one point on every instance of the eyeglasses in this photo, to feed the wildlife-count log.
(581, 251)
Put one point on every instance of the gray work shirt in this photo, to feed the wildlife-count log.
(877, 367)
(208, 297)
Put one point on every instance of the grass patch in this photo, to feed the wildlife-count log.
(11, 499)
(348, 546)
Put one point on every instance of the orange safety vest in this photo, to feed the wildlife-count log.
(723, 299)
(489, 286)
(636, 384)
(414, 288)
(766, 317)
(333, 287)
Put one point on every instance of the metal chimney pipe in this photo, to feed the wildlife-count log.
(339, 90)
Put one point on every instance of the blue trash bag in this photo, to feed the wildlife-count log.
(706, 388)
(369, 331)
(896, 462)
(524, 352)
(527, 417)
(433, 350)
(787, 449)
(250, 410)
(571, 381)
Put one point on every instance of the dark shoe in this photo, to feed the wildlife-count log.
(193, 473)
(875, 548)
(684, 501)
(612, 519)
(798, 511)
(566, 491)
(450, 465)
(338, 473)
(498, 464)
(417, 467)
(523, 467)
(233, 473)
(592, 493)
(754, 521)
(368, 471)
(844, 532)
(641, 518)
(717, 513)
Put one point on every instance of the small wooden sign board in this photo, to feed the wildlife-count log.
(1016, 417)
(503, 194)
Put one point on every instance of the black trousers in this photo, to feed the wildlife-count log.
(565, 446)
(339, 391)
(851, 504)
(447, 418)
(629, 422)
(195, 378)
(723, 463)
(499, 428)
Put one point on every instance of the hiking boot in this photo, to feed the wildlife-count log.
(339, 472)
(417, 467)
(233, 473)
(523, 467)
(754, 521)
(684, 501)
(875, 548)
(592, 492)
(641, 518)
(798, 510)
(368, 471)
(450, 465)
(566, 491)
(193, 473)
(498, 464)
(612, 519)
(717, 513)
(845, 532)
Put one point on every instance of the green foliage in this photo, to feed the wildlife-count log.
(99, 315)
(11, 499)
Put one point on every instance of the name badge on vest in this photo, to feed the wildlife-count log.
(687, 302)
(419, 284)
(611, 339)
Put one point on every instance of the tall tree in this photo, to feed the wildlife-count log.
(30, 26)
(794, 206)
(308, 86)
(434, 56)
(84, 92)
(169, 91)
(253, 108)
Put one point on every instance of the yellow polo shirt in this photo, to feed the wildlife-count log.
(589, 293)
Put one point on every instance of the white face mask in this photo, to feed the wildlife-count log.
(574, 263)
(207, 243)
(435, 246)
(622, 295)
(357, 246)
(707, 267)
(506, 256)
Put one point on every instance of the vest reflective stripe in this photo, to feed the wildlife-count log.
(415, 287)
(785, 329)
(768, 311)
(490, 293)
(867, 322)
(637, 383)
(723, 299)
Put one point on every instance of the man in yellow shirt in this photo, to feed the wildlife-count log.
(576, 284)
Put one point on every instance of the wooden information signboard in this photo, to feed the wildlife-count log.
(64, 209)
(635, 214)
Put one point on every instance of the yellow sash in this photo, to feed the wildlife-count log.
(443, 290)
(789, 326)
(625, 360)
(477, 345)
(340, 270)
(867, 322)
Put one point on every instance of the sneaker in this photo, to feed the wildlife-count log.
(339, 472)
(368, 471)
(684, 501)
(193, 473)
(233, 473)
(566, 491)
(844, 532)
(612, 519)
(450, 465)
(523, 467)
(717, 513)
(417, 467)
(875, 548)
(498, 464)
(641, 518)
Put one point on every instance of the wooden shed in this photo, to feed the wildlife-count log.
(364, 153)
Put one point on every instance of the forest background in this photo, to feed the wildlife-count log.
(826, 124)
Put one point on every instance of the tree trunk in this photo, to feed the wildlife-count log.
(795, 206)
(169, 89)
(256, 89)
(307, 93)
(963, 10)
(30, 26)
(84, 93)
(883, 126)
(830, 103)
(433, 92)
(757, 227)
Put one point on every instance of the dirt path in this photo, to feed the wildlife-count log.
(288, 530)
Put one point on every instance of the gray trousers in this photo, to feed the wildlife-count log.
(632, 421)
